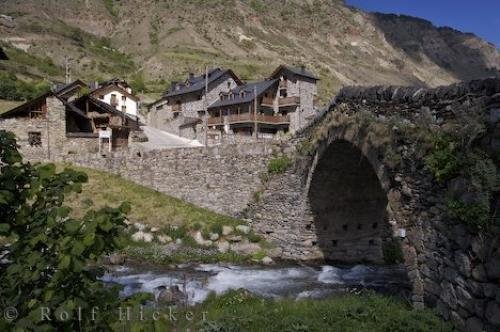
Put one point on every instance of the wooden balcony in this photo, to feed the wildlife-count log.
(267, 102)
(249, 118)
(289, 101)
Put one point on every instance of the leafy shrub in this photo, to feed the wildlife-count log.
(12, 88)
(279, 165)
(475, 215)
(444, 161)
(51, 254)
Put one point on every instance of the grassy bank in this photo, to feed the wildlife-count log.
(166, 230)
(240, 311)
(149, 206)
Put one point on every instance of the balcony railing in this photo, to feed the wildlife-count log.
(289, 101)
(249, 117)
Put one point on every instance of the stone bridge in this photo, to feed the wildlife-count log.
(364, 188)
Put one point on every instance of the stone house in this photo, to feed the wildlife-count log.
(118, 94)
(282, 103)
(265, 109)
(66, 121)
(297, 91)
(181, 109)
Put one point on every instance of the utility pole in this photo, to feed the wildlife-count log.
(205, 106)
(255, 112)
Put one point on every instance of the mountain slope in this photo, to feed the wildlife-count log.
(161, 40)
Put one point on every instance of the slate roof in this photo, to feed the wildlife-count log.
(259, 86)
(197, 83)
(300, 71)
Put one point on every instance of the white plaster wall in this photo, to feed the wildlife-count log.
(131, 105)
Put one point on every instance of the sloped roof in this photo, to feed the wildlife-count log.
(259, 86)
(114, 87)
(197, 83)
(302, 71)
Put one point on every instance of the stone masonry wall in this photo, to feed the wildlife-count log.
(222, 179)
(450, 267)
(52, 130)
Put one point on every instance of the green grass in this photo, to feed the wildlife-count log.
(240, 311)
(149, 207)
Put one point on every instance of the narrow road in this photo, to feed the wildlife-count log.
(159, 139)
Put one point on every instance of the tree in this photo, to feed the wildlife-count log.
(50, 256)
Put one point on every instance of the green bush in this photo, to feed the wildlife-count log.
(279, 165)
(51, 256)
(475, 215)
(444, 161)
(12, 88)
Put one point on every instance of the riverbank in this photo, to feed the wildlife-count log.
(242, 311)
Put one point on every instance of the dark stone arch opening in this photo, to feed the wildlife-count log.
(349, 206)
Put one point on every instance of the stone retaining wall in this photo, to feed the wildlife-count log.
(222, 179)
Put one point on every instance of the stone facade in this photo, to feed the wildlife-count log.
(450, 267)
(51, 130)
(191, 105)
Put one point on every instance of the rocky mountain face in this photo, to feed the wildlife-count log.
(161, 40)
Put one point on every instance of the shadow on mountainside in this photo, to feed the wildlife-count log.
(462, 54)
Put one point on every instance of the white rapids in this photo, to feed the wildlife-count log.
(271, 282)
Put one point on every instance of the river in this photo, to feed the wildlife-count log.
(292, 281)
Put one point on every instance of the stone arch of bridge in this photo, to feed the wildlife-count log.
(349, 196)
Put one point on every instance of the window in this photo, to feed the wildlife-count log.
(101, 96)
(124, 108)
(229, 84)
(176, 115)
(35, 138)
(124, 98)
(283, 93)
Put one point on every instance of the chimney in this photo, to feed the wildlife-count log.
(191, 76)
(303, 68)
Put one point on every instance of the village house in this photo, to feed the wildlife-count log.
(117, 93)
(181, 109)
(68, 120)
(237, 111)
(265, 109)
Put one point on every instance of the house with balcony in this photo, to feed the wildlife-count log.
(118, 94)
(68, 120)
(181, 109)
(297, 89)
(282, 103)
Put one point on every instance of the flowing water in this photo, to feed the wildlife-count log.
(293, 281)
